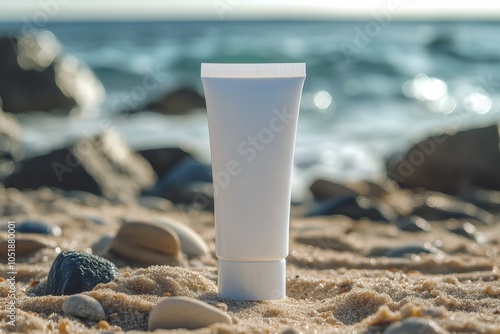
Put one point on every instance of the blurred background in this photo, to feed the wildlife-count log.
(381, 75)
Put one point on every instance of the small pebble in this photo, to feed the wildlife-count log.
(184, 312)
(25, 245)
(415, 325)
(64, 327)
(466, 230)
(191, 242)
(104, 325)
(148, 243)
(413, 224)
(405, 251)
(38, 227)
(75, 272)
(84, 307)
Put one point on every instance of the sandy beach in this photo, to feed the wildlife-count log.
(337, 281)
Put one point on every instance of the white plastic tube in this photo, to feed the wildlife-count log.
(252, 117)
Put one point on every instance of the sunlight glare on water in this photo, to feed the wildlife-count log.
(322, 100)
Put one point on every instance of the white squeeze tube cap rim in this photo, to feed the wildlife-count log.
(245, 280)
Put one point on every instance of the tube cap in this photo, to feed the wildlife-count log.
(252, 280)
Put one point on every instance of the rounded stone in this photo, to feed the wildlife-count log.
(75, 272)
(84, 307)
(38, 227)
(185, 312)
(146, 242)
(191, 243)
(25, 245)
(415, 325)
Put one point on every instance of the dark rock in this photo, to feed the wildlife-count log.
(324, 189)
(405, 251)
(163, 159)
(11, 147)
(450, 163)
(176, 102)
(183, 181)
(36, 76)
(75, 272)
(197, 194)
(38, 227)
(466, 230)
(102, 165)
(187, 171)
(435, 206)
(413, 224)
(355, 207)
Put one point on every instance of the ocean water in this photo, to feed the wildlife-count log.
(371, 89)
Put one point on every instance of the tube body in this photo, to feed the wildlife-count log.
(252, 117)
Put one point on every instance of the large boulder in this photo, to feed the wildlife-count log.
(450, 163)
(37, 76)
(102, 165)
(322, 189)
(177, 102)
(164, 158)
(187, 182)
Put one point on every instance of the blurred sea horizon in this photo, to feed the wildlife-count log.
(372, 89)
